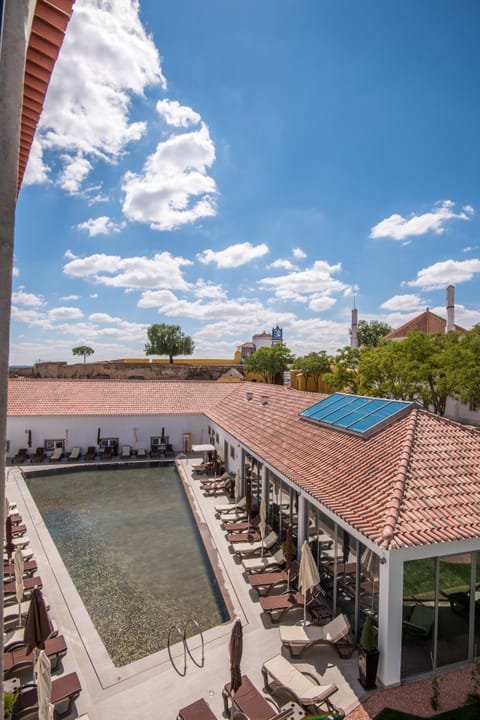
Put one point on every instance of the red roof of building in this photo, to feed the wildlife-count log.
(414, 482)
(427, 322)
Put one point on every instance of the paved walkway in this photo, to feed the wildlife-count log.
(150, 688)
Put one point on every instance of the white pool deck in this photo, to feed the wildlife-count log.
(150, 688)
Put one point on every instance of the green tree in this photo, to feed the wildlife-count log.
(344, 375)
(168, 340)
(315, 364)
(467, 369)
(371, 333)
(84, 351)
(269, 361)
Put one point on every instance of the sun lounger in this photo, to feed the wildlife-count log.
(302, 687)
(126, 452)
(203, 467)
(199, 710)
(216, 485)
(264, 582)
(38, 456)
(254, 548)
(28, 585)
(277, 605)
(142, 453)
(108, 453)
(29, 567)
(20, 542)
(250, 702)
(229, 508)
(15, 517)
(169, 450)
(335, 633)
(10, 612)
(18, 530)
(17, 660)
(57, 455)
(21, 457)
(91, 453)
(27, 554)
(253, 536)
(265, 563)
(233, 525)
(65, 689)
(75, 454)
(14, 638)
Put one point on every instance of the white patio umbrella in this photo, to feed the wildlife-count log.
(236, 490)
(308, 576)
(44, 686)
(18, 565)
(262, 525)
(370, 564)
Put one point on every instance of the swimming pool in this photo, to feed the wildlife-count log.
(131, 545)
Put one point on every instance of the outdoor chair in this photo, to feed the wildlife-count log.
(198, 710)
(231, 508)
(169, 450)
(21, 457)
(265, 563)
(38, 456)
(29, 567)
(65, 689)
(75, 454)
(302, 687)
(277, 605)
(91, 453)
(14, 638)
(335, 633)
(420, 621)
(108, 453)
(142, 453)
(11, 613)
(126, 452)
(233, 525)
(57, 455)
(14, 661)
(256, 547)
(27, 554)
(29, 584)
(251, 703)
(19, 530)
(252, 536)
(263, 583)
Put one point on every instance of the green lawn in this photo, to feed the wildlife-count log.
(466, 712)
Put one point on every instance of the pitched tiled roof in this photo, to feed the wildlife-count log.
(427, 322)
(112, 397)
(415, 482)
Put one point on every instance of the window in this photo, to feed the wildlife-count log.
(52, 444)
(232, 452)
(108, 442)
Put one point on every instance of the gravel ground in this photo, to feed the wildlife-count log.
(414, 697)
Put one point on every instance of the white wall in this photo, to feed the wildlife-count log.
(82, 431)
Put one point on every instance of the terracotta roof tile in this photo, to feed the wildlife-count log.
(427, 322)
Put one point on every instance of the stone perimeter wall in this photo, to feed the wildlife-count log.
(125, 371)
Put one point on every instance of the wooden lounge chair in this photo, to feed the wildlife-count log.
(27, 554)
(14, 638)
(75, 454)
(302, 687)
(198, 710)
(142, 453)
(28, 585)
(278, 605)
(252, 536)
(91, 453)
(21, 457)
(108, 453)
(18, 659)
(65, 689)
(10, 612)
(237, 526)
(29, 567)
(126, 452)
(57, 455)
(335, 633)
(265, 563)
(19, 530)
(38, 456)
(231, 508)
(203, 467)
(255, 548)
(264, 582)
(250, 701)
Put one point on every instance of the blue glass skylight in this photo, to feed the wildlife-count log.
(355, 413)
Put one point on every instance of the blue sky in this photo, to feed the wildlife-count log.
(233, 165)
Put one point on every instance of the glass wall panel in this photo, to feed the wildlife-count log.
(476, 639)
(418, 616)
(453, 608)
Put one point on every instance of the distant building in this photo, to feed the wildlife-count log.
(259, 340)
(429, 323)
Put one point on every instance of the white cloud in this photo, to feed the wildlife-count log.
(161, 271)
(469, 248)
(65, 313)
(209, 290)
(403, 303)
(178, 115)
(75, 170)
(299, 254)
(448, 272)
(319, 303)
(400, 228)
(233, 256)
(317, 280)
(106, 58)
(174, 188)
(20, 297)
(103, 318)
(15, 271)
(168, 304)
(66, 298)
(283, 264)
(100, 226)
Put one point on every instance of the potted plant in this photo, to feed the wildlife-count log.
(368, 655)
(9, 700)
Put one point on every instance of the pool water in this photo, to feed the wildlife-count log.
(131, 545)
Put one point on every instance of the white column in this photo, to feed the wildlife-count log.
(302, 514)
(390, 619)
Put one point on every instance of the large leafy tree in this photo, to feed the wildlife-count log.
(371, 333)
(343, 374)
(269, 361)
(83, 350)
(168, 340)
(315, 364)
(467, 369)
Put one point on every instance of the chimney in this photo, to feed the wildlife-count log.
(354, 336)
(450, 326)
(264, 399)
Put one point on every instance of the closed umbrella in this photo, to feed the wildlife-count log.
(9, 546)
(308, 575)
(236, 647)
(236, 490)
(289, 552)
(18, 565)
(248, 500)
(37, 625)
(44, 687)
(262, 525)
